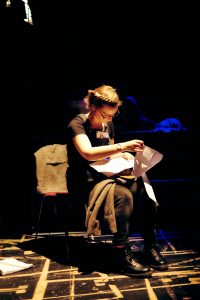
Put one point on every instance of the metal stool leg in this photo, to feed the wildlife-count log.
(67, 243)
(39, 217)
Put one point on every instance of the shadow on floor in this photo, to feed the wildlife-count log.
(87, 257)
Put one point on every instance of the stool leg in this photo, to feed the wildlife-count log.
(67, 243)
(39, 217)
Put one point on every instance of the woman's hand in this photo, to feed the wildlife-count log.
(133, 146)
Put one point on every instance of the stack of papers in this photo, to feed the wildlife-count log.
(11, 265)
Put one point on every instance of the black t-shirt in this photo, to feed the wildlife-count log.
(79, 171)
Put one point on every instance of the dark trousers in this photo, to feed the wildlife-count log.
(133, 208)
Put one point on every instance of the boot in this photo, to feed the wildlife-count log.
(129, 265)
(154, 259)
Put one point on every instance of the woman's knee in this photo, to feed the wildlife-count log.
(123, 196)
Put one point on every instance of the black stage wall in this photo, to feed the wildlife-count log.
(149, 52)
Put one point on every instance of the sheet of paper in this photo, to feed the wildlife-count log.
(149, 189)
(109, 167)
(11, 265)
(145, 160)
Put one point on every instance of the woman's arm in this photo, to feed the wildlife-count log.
(84, 147)
(125, 155)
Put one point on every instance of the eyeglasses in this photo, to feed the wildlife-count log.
(108, 116)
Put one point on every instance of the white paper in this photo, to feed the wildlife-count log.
(11, 265)
(149, 189)
(113, 166)
(141, 163)
(145, 160)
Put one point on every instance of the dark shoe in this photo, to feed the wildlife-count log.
(130, 266)
(155, 260)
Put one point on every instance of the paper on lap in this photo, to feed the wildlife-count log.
(140, 163)
(113, 166)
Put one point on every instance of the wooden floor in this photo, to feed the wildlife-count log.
(90, 272)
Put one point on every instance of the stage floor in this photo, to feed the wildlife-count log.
(90, 272)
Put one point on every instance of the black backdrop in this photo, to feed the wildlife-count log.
(147, 51)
